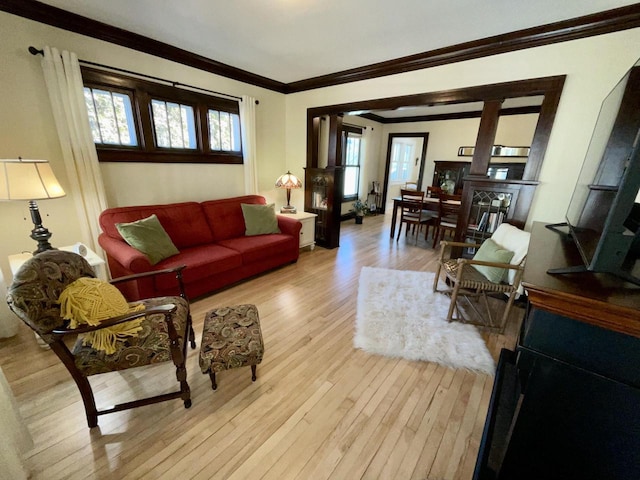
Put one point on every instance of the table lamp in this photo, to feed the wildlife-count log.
(30, 180)
(288, 181)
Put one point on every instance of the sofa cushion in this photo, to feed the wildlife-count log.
(225, 216)
(148, 236)
(202, 261)
(184, 222)
(259, 219)
(259, 247)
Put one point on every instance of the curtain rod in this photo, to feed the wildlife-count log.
(35, 51)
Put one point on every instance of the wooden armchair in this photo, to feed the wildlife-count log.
(468, 282)
(166, 327)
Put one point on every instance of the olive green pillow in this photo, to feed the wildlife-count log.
(490, 251)
(259, 219)
(148, 237)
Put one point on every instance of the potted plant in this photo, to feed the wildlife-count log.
(361, 209)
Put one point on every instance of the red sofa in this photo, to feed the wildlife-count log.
(212, 244)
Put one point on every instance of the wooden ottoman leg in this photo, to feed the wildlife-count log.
(253, 373)
(212, 376)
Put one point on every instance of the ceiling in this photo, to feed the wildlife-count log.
(292, 40)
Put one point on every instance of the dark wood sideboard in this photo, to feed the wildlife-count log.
(566, 402)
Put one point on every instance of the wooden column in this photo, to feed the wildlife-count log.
(486, 137)
(313, 141)
(335, 141)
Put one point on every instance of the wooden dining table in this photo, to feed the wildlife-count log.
(429, 203)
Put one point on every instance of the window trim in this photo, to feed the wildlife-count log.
(141, 93)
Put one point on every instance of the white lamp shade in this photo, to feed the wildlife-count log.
(28, 180)
(288, 180)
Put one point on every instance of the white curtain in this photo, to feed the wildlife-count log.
(248, 129)
(64, 83)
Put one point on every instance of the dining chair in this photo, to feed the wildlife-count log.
(411, 186)
(433, 192)
(412, 213)
(447, 221)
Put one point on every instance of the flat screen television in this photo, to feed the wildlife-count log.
(603, 216)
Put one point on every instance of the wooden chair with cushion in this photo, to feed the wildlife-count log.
(447, 221)
(412, 214)
(411, 186)
(162, 328)
(496, 268)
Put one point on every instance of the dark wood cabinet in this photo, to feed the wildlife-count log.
(323, 196)
(566, 403)
(456, 171)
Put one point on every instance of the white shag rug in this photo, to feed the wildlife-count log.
(398, 315)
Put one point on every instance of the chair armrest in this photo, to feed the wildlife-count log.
(469, 261)
(162, 309)
(152, 273)
(445, 244)
(448, 243)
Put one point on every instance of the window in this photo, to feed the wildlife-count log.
(400, 165)
(351, 162)
(134, 120)
(174, 125)
(224, 131)
(110, 117)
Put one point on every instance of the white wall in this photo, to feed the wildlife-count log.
(593, 66)
(28, 130)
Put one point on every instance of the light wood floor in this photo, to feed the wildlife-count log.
(320, 409)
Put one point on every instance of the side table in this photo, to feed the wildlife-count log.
(96, 262)
(308, 232)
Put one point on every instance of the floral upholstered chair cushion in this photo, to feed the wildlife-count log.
(150, 346)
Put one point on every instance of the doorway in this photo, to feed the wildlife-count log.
(405, 162)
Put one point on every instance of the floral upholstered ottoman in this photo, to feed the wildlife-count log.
(231, 338)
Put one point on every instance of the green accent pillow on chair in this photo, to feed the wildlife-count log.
(490, 251)
(259, 219)
(148, 236)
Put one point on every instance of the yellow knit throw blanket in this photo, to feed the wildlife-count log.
(88, 301)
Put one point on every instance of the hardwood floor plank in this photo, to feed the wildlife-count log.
(319, 409)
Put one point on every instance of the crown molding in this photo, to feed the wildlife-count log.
(586, 26)
(56, 17)
(589, 25)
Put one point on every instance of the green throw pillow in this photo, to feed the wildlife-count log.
(490, 251)
(148, 237)
(259, 219)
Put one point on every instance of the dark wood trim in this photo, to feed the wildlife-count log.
(449, 116)
(73, 22)
(335, 141)
(596, 24)
(586, 26)
(480, 93)
(543, 129)
(486, 136)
